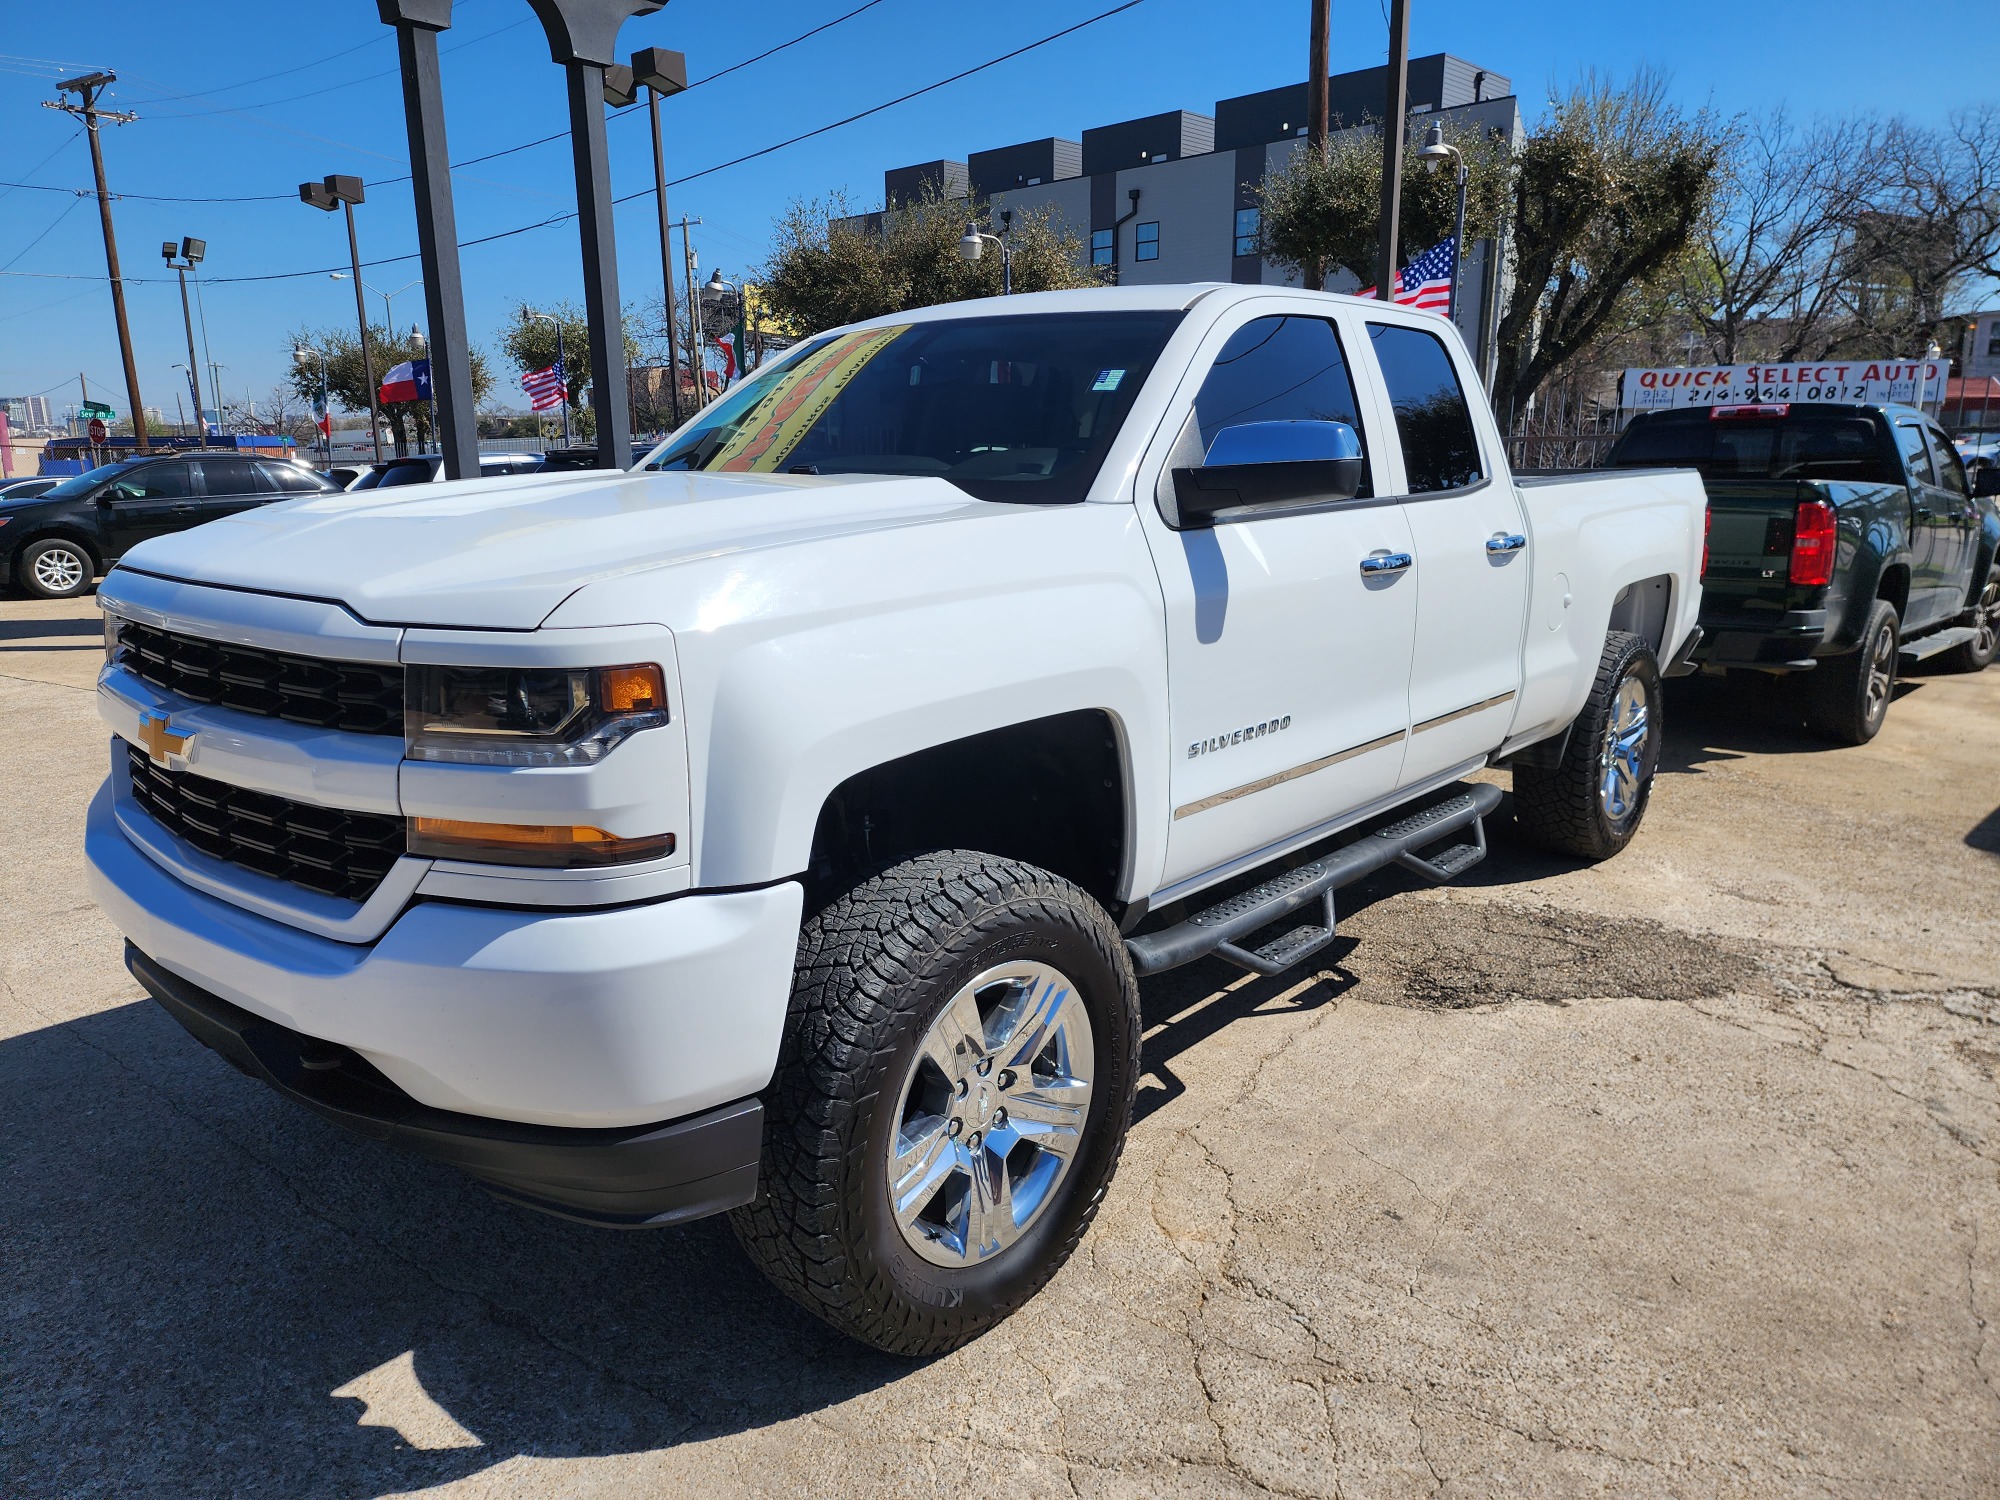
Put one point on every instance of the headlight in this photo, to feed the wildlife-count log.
(536, 716)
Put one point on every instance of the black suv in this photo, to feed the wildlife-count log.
(54, 544)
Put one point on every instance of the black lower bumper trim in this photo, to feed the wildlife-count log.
(630, 1177)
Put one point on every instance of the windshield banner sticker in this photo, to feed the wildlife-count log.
(798, 399)
(1107, 380)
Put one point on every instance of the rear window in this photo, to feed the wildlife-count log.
(1830, 447)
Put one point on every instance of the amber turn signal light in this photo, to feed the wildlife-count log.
(544, 845)
(630, 690)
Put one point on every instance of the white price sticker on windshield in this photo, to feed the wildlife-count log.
(1107, 380)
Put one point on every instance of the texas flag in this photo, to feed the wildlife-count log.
(409, 381)
(727, 344)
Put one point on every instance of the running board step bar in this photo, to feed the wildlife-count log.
(1926, 646)
(1221, 927)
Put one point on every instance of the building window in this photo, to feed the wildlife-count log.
(1101, 246)
(1993, 340)
(1249, 222)
(1146, 241)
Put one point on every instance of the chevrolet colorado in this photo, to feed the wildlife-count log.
(780, 827)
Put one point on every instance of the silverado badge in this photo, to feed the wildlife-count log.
(162, 743)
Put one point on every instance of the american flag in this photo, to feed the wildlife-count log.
(1426, 281)
(545, 387)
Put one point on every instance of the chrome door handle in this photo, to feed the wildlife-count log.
(1386, 562)
(1505, 541)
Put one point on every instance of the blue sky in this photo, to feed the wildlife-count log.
(219, 121)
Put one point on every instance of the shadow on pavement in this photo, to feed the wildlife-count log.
(194, 1265)
(1985, 835)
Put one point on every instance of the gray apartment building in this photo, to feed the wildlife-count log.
(1172, 197)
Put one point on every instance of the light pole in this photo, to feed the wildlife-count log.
(388, 313)
(1395, 115)
(663, 73)
(973, 243)
(1437, 150)
(325, 412)
(343, 193)
(189, 371)
(423, 347)
(191, 252)
(719, 289)
(562, 365)
(215, 389)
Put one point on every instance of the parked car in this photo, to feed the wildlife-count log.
(428, 468)
(781, 832)
(342, 476)
(55, 543)
(27, 489)
(1843, 540)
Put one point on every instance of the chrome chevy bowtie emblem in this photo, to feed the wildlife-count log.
(163, 745)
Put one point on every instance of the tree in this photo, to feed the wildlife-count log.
(530, 344)
(1323, 210)
(1609, 192)
(832, 267)
(349, 385)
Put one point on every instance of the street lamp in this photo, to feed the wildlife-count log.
(343, 193)
(301, 354)
(562, 365)
(1437, 151)
(191, 252)
(388, 314)
(719, 291)
(973, 243)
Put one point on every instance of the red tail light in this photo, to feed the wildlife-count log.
(1707, 525)
(1814, 533)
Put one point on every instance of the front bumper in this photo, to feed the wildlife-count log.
(596, 1019)
(633, 1178)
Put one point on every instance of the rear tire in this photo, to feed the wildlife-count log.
(1591, 803)
(900, 1200)
(1847, 697)
(57, 568)
(1977, 654)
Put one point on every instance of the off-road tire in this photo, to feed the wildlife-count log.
(1560, 806)
(1977, 654)
(1838, 702)
(36, 565)
(875, 967)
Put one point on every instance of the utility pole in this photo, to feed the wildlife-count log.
(87, 89)
(663, 73)
(697, 371)
(1316, 71)
(1395, 113)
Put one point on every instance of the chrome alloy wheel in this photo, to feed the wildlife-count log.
(1986, 616)
(1621, 759)
(991, 1114)
(59, 569)
(1881, 674)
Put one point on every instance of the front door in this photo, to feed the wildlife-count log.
(147, 501)
(1954, 494)
(1472, 564)
(1288, 634)
(1933, 535)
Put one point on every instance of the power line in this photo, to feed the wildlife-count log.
(46, 232)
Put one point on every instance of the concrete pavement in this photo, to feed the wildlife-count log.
(1672, 1176)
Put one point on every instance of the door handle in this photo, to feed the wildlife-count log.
(1506, 541)
(1386, 562)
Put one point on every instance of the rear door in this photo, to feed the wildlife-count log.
(1471, 546)
(232, 485)
(147, 501)
(1933, 534)
(288, 481)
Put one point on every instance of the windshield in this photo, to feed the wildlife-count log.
(82, 484)
(1017, 408)
(1806, 447)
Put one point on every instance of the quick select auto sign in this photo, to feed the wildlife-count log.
(1907, 382)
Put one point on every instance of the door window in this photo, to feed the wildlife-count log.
(1916, 457)
(227, 477)
(1282, 369)
(152, 482)
(1433, 423)
(1950, 467)
(290, 479)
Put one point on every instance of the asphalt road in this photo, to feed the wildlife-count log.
(1673, 1176)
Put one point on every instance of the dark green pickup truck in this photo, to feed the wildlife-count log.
(1842, 541)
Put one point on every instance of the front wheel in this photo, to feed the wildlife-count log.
(1977, 654)
(56, 569)
(951, 1099)
(1591, 802)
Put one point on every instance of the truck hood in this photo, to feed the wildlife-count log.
(502, 554)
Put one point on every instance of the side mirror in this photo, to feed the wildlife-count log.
(1986, 482)
(1260, 465)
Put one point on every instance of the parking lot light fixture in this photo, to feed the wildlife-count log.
(343, 193)
(1437, 151)
(191, 252)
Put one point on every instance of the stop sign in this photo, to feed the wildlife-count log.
(96, 429)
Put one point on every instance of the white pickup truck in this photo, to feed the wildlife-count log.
(780, 827)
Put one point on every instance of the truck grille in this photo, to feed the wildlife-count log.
(360, 697)
(343, 854)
